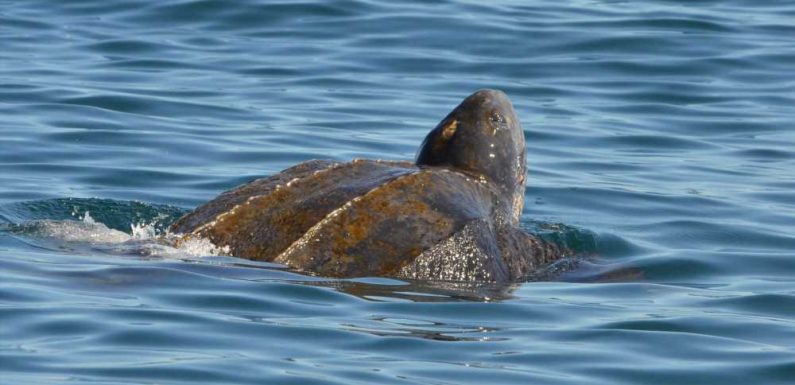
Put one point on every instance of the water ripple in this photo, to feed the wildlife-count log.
(659, 146)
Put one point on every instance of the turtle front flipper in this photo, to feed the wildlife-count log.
(484, 252)
(471, 255)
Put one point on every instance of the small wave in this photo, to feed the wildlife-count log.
(89, 236)
(115, 214)
(578, 241)
(69, 231)
(109, 227)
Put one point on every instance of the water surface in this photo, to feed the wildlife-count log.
(659, 137)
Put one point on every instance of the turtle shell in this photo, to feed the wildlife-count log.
(370, 218)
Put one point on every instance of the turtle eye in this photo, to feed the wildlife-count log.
(497, 120)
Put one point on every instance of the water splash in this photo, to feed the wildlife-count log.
(115, 214)
(115, 227)
(87, 218)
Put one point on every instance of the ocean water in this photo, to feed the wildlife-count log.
(661, 146)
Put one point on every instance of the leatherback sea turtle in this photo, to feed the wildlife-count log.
(451, 215)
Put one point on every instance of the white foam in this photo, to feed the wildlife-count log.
(87, 218)
(143, 231)
(202, 247)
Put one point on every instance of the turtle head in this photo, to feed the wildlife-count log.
(482, 136)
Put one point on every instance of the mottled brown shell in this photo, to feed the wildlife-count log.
(370, 218)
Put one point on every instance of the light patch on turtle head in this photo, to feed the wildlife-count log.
(449, 130)
(445, 134)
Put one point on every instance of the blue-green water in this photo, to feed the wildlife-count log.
(661, 133)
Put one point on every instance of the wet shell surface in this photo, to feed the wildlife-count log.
(371, 218)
